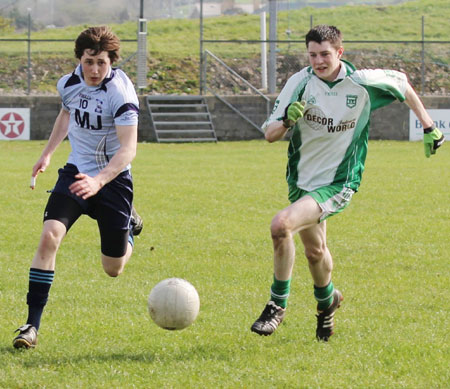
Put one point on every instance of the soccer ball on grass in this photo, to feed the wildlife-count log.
(173, 304)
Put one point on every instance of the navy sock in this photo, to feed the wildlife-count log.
(39, 285)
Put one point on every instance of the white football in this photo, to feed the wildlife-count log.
(173, 304)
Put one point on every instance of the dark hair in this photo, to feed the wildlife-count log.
(98, 39)
(323, 33)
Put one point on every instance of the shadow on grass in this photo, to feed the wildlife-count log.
(10, 350)
(187, 353)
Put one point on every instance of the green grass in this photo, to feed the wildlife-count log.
(207, 210)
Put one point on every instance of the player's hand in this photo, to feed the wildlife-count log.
(432, 140)
(85, 186)
(39, 167)
(293, 113)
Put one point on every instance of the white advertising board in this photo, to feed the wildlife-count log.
(14, 123)
(441, 119)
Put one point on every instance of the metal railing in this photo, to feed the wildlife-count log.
(221, 97)
(423, 57)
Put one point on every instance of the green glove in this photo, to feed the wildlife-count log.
(432, 140)
(292, 113)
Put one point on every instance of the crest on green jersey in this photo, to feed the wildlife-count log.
(277, 101)
(351, 101)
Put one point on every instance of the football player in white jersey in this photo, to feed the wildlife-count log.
(99, 114)
(327, 106)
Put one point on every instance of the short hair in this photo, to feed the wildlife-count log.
(98, 39)
(323, 33)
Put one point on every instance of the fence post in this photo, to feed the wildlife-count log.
(272, 45)
(204, 79)
(142, 55)
(202, 76)
(263, 37)
(29, 53)
(423, 55)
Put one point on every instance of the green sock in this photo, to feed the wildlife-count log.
(279, 292)
(324, 296)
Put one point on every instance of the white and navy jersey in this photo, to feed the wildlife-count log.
(94, 113)
(329, 144)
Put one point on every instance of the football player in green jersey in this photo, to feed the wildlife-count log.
(327, 106)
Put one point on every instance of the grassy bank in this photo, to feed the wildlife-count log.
(174, 44)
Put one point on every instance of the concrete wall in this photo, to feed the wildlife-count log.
(44, 110)
(391, 122)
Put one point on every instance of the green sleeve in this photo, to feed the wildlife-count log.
(383, 86)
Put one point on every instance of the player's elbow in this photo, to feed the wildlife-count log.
(129, 153)
(132, 154)
(270, 137)
(274, 132)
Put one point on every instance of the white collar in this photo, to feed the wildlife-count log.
(342, 72)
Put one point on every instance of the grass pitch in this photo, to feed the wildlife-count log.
(207, 210)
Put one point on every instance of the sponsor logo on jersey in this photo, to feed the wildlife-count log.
(311, 100)
(351, 101)
(343, 126)
(85, 121)
(318, 121)
(98, 108)
(129, 115)
(84, 96)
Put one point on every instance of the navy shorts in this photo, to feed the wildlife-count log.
(111, 207)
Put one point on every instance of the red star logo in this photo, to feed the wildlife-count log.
(12, 125)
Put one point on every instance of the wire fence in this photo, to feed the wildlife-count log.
(34, 66)
(425, 63)
(424, 60)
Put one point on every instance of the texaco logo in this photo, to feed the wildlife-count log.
(12, 125)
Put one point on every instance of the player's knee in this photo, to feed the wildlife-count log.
(112, 271)
(113, 266)
(279, 227)
(50, 239)
(315, 253)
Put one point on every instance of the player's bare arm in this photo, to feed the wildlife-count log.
(59, 133)
(88, 186)
(292, 114)
(432, 137)
(275, 131)
(413, 101)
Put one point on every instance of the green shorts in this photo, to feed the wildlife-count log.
(332, 199)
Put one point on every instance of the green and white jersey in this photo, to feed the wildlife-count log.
(329, 144)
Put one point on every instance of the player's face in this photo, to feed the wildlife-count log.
(325, 59)
(95, 67)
